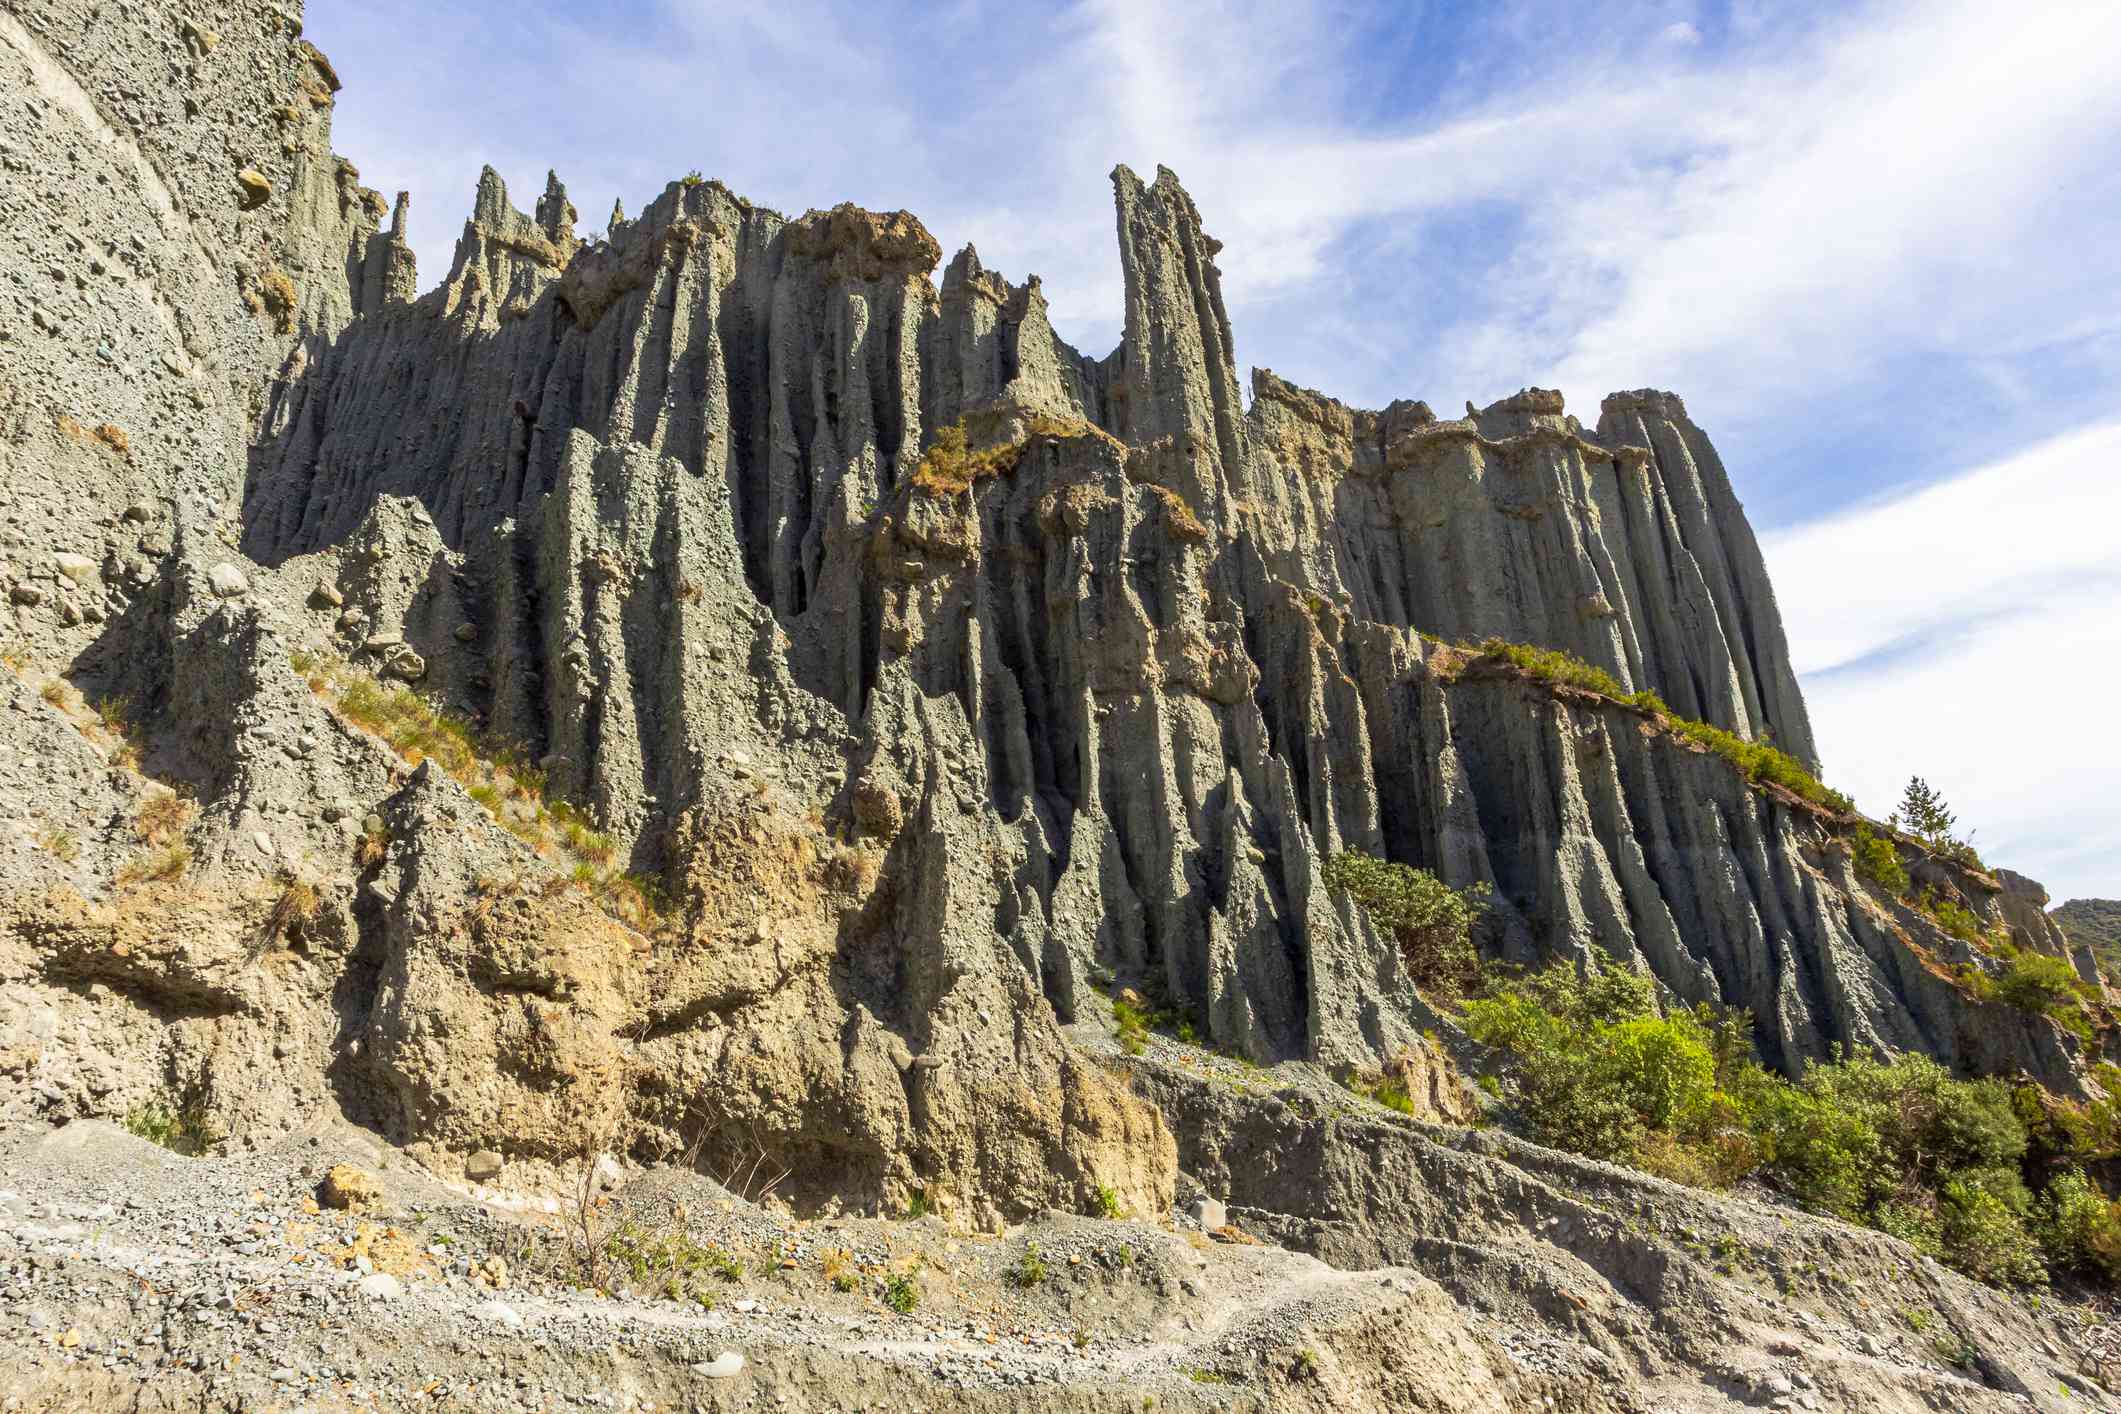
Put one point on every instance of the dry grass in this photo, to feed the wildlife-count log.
(114, 729)
(370, 848)
(293, 912)
(951, 465)
(277, 293)
(837, 1264)
(60, 844)
(1179, 517)
(497, 776)
(163, 816)
(157, 865)
(56, 693)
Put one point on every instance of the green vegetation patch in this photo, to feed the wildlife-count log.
(1758, 761)
(1595, 1066)
(181, 1129)
(1431, 921)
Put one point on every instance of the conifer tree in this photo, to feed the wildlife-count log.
(1923, 813)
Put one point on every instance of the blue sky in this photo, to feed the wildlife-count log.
(1876, 247)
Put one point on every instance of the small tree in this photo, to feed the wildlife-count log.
(1924, 814)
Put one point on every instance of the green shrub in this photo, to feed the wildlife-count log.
(1107, 1202)
(1598, 1071)
(1130, 1025)
(1900, 1145)
(1983, 1220)
(2078, 1226)
(1907, 1148)
(1877, 861)
(1431, 921)
(1030, 1268)
(2035, 982)
(1953, 917)
(667, 1262)
(900, 1294)
(187, 1130)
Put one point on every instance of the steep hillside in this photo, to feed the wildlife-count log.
(2094, 923)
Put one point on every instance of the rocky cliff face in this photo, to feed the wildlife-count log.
(865, 685)
(927, 739)
(1164, 660)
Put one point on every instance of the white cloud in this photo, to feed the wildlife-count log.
(1970, 633)
(1923, 180)
(1744, 221)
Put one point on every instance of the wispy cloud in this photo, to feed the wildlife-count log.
(1593, 197)
(1970, 633)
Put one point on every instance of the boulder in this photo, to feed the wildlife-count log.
(348, 1189)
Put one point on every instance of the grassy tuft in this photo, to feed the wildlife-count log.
(163, 816)
(293, 911)
(1030, 1268)
(157, 865)
(1877, 861)
(371, 847)
(59, 844)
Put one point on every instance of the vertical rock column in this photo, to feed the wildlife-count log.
(1175, 372)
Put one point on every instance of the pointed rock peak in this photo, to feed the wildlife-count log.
(1177, 358)
(556, 214)
(490, 207)
(398, 215)
(966, 276)
(618, 216)
(1166, 200)
(963, 266)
